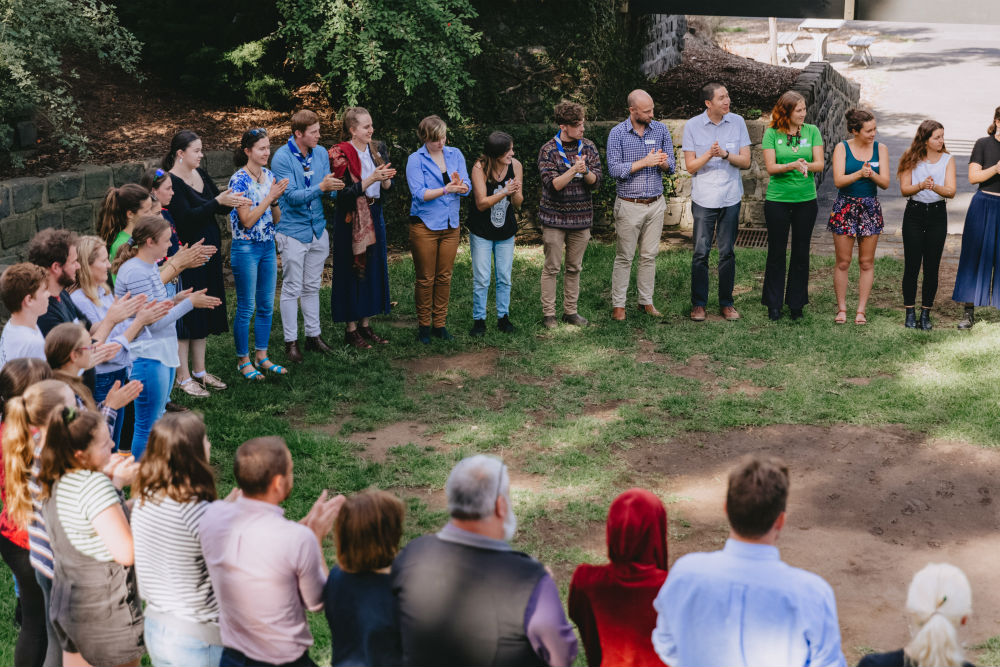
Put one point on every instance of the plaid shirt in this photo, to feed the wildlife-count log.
(625, 146)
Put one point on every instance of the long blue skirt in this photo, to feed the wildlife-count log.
(352, 299)
(978, 278)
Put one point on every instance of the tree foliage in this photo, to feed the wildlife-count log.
(34, 37)
(409, 47)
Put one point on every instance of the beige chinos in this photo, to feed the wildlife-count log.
(636, 226)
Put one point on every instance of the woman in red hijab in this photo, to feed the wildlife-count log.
(612, 604)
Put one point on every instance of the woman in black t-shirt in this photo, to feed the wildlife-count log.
(977, 282)
(496, 186)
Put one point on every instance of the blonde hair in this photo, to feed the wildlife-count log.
(21, 413)
(87, 248)
(938, 599)
(432, 128)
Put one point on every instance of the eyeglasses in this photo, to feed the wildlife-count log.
(257, 132)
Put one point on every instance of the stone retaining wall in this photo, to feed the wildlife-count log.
(829, 95)
(665, 42)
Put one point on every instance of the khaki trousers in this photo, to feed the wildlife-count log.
(433, 259)
(636, 226)
(558, 242)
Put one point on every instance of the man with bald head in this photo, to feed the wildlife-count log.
(639, 152)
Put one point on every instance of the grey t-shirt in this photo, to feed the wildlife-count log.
(17, 341)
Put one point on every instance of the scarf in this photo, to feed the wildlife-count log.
(344, 159)
(306, 162)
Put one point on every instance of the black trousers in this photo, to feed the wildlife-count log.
(925, 228)
(799, 217)
(31, 640)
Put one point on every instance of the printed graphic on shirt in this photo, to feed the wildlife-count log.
(498, 213)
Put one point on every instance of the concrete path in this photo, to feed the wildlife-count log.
(940, 71)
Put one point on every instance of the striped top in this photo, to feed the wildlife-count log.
(173, 578)
(573, 206)
(80, 497)
(38, 537)
(157, 341)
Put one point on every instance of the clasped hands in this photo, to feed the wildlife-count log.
(655, 158)
(456, 186)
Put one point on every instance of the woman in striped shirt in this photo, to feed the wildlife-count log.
(95, 608)
(174, 485)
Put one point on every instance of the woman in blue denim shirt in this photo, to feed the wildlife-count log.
(252, 254)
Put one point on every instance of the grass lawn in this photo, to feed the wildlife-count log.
(564, 407)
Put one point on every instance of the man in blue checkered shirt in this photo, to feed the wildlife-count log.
(639, 153)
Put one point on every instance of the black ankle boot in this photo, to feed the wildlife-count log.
(478, 328)
(968, 319)
(911, 318)
(925, 319)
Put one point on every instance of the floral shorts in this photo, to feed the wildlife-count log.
(856, 216)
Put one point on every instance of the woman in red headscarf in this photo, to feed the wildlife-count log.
(612, 604)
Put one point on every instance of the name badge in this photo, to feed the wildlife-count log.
(730, 146)
(781, 141)
(874, 164)
(805, 143)
(650, 142)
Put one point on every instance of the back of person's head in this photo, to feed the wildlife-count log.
(62, 341)
(432, 128)
(302, 120)
(70, 431)
(16, 377)
(148, 227)
(258, 462)
(19, 374)
(568, 113)
(637, 529)
(51, 246)
(19, 281)
(175, 463)
(474, 485)
(757, 495)
(117, 204)
(939, 599)
(368, 529)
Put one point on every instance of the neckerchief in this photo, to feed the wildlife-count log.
(306, 162)
(562, 152)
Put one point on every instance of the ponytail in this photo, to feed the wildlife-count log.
(939, 598)
(147, 227)
(936, 643)
(70, 430)
(117, 203)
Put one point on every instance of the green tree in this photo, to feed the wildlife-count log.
(363, 46)
(34, 37)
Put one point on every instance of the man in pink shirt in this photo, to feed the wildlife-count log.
(266, 570)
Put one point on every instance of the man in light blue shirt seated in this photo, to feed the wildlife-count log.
(743, 605)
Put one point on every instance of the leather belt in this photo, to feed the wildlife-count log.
(371, 200)
(641, 200)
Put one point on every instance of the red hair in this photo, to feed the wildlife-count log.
(781, 114)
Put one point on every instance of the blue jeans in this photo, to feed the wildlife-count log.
(501, 255)
(102, 385)
(157, 380)
(723, 223)
(255, 272)
(169, 648)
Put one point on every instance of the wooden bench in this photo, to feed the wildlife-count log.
(859, 45)
(786, 46)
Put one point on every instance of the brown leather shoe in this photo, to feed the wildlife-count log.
(698, 314)
(317, 344)
(292, 351)
(370, 335)
(729, 313)
(618, 314)
(650, 309)
(355, 339)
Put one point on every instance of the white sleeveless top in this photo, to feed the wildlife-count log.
(937, 171)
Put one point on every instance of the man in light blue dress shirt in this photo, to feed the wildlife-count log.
(716, 146)
(743, 605)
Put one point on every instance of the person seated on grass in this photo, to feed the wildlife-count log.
(612, 605)
(938, 602)
(266, 570)
(743, 605)
(358, 600)
(25, 294)
(465, 597)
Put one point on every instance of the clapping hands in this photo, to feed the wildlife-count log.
(231, 200)
(323, 513)
(456, 186)
(121, 470)
(656, 158)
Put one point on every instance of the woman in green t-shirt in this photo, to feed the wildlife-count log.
(793, 151)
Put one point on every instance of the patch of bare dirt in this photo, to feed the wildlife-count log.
(378, 443)
(606, 412)
(868, 508)
(865, 381)
(697, 367)
(647, 353)
(473, 364)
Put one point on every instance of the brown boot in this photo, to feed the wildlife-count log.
(618, 314)
(317, 344)
(292, 351)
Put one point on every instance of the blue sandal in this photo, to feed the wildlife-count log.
(273, 368)
(253, 374)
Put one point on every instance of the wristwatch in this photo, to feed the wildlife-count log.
(726, 156)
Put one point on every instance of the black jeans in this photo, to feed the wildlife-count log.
(31, 640)
(780, 217)
(723, 222)
(925, 228)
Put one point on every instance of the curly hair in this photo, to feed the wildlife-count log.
(918, 149)
(174, 463)
(781, 114)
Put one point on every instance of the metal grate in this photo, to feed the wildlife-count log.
(751, 237)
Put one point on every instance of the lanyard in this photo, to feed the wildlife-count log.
(307, 171)
(579, 151)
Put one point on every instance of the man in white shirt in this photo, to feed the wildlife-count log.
(742, 605)
(25, 294)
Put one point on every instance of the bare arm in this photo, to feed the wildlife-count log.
(906, 187)
(950, 186)
(113, 529)
(818, 162)
(884, 174)
(518, 197)
(484, 201)
(693, 163)
(740, 160)
(977, 174)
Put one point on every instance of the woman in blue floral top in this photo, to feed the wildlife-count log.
(253, 257)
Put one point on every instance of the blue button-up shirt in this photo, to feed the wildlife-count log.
(744, 606)
(301, 207)
(717, 184)
(423, 174)
(625, 146)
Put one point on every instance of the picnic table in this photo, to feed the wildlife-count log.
(820, 29)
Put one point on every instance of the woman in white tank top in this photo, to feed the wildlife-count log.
(927, 177)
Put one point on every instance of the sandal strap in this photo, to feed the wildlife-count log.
(244, 365)
(274, 368)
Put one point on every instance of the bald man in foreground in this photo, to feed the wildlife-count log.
(639, 152)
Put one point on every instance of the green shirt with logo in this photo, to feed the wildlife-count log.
(792, 187)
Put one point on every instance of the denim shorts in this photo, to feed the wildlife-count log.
(168, 646)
